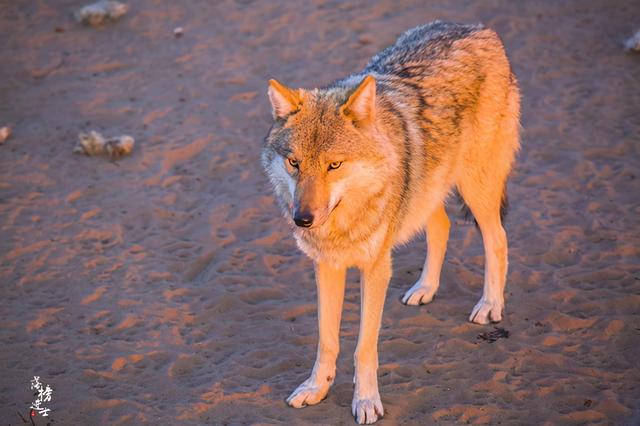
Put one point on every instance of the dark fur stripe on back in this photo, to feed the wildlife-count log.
(406, 157)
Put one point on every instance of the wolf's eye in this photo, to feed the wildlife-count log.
(334, 165)
(293, 163)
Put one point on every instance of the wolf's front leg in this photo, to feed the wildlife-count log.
(366, 406)
(330, 285)
(425, 289)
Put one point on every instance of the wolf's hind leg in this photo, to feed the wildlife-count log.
(425, 288)
(490, 306)
(484, 200)
(330, 282)
(482, 185)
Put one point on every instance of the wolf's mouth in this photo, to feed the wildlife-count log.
(318, 225)
(334, 207)
(329, 214)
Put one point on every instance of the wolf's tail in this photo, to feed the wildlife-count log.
(468, 214)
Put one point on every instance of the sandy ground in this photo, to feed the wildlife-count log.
(165, 289)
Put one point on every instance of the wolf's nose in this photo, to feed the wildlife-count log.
(303, 219)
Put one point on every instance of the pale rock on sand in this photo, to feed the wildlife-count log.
(93, 143)
(633, 43)
(101, 12)
(5, 132)
(178, 31)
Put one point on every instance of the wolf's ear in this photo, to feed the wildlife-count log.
(284, 100)
(361, 105)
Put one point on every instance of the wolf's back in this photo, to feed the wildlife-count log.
(419, 46)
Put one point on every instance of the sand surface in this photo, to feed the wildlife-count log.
(165, 288)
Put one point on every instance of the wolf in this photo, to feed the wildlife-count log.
(367, 162)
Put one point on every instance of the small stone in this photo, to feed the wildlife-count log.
(93, 143)
(178, 31)
(119, 146)
(633, 43)
(103, 11)
(5, 132)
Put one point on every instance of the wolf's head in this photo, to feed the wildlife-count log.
(324, 151)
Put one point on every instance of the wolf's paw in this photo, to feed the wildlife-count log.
(367, 410)
(308, 393)
(419, 294)
(487, 311)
